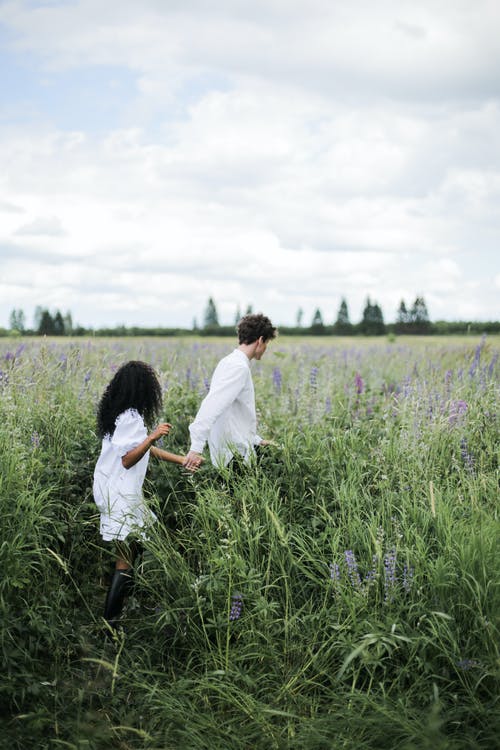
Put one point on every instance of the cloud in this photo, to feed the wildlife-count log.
(49, 226)
(277, 151)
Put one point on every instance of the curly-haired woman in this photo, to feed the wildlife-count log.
(127, 410)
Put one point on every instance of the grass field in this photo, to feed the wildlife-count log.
(344, 594)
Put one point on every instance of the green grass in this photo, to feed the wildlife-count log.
(388, 451)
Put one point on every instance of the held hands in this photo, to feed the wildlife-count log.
(164, 429)
(192, 461)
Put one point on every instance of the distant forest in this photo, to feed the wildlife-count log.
(412, 320)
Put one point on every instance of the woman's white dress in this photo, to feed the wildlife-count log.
(118, 491)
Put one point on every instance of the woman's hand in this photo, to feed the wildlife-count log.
(162, 429)
(134, 456)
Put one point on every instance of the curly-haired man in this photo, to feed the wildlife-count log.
(226, 418)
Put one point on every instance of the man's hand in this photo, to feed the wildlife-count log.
(192, 460)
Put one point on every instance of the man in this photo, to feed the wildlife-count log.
(226, 417)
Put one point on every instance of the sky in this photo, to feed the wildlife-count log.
(283, 154)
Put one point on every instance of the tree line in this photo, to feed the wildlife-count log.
(413, 320)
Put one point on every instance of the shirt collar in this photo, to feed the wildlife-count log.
(243, 355)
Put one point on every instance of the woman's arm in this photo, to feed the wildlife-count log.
(134, 456)
(173, 457)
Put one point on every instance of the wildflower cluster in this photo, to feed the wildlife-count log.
(468, 459)
(236, 606)
(383, 568)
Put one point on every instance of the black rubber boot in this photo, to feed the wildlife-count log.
(119, 588)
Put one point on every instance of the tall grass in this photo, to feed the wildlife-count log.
(341, 594)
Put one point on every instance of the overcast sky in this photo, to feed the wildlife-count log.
(278, 153)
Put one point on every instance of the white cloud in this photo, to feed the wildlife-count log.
(281, 152)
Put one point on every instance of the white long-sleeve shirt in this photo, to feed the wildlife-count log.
(226, 417)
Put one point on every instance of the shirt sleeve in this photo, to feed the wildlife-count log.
(129, 432)
(228, 381)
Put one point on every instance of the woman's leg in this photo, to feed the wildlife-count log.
(121, 582)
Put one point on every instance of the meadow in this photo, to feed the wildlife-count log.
(341, 594)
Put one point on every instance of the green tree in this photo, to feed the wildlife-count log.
(300, 315)
(17, 321)
(342, 325)
(68, 323)
(419, 317)
(58, 324)
(317, 325)
(372, 323)
(402, 318)
(46, 327)
(237, 316)
(37, 318)
(210, 319)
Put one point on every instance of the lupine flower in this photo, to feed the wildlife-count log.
(334, 572)
(313, 377)
(457, 410)
(389, 575)
(328, 405)
(35, 440)
(477, 357)
(467, 457)
(407, 578)
(236, 607)
(277, 378)
(359, 383)
(372, 574)
(492, 365)
(466, 664)
(206, 384)
(352, 569)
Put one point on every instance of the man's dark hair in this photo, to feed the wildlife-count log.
(134, 386)
(253, 326)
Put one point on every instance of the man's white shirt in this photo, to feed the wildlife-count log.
(226, 417)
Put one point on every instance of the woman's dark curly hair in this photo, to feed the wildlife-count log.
(134, 386)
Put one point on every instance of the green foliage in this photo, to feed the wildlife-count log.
(340, 592)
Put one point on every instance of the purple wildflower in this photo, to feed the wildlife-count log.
(277, 378)
(359, 383)
(352, 569)
(328, 405)
(477, 357)
(334, 572)
(467, 456)
(35, 440)
(236, 607)
(389, 575)
(371, 576)
(457, 410)
(313, 377)
(466, 664)
(407, 578)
